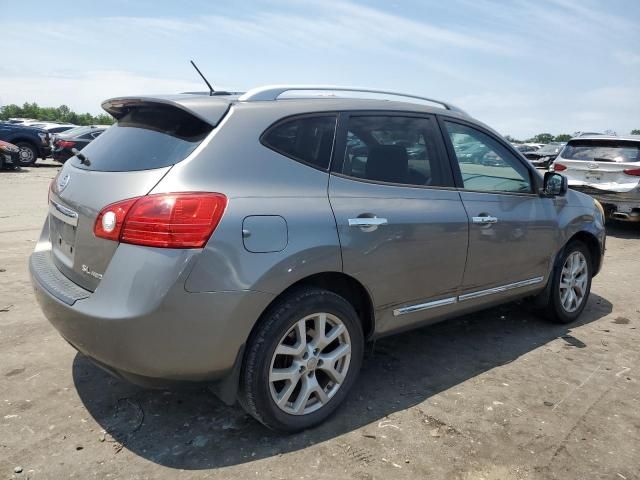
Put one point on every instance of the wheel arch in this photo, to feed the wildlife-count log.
(341, 284)
(592, 243)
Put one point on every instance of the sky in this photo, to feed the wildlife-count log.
(522, 67)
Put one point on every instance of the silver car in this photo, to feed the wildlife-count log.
(257, 241)
(607, 168)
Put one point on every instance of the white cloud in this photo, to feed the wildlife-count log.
(85, 91)
(627, 58)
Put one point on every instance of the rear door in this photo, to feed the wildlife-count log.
(605, 164)
(126, 161)
(513, 231)
(402, 227)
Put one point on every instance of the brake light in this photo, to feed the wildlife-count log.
(632, 171)
(558, 167)
(65, 144)
(167, 220)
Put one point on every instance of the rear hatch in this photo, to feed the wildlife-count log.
(605, 164)
(126, 161)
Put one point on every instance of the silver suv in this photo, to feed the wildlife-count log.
(257, 241)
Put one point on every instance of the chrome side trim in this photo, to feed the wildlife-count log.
(63, 213)
(424, 306)
(467, 296)
(500, 289)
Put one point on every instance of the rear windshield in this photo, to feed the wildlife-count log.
(602, 151)
(144, 138)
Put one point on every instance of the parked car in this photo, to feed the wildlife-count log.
(608, 169)
(9, 155)
(32, 142)
(524, 148)
(257, 243)
(53, 127)
(75, 139)
(543, 157)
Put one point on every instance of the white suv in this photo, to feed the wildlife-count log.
(608, 169)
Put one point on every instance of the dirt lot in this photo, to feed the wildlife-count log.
(495, 395)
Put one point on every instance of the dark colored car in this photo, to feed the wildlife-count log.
(545, 156)
(76, 138)
(9, 155)
(32, 142)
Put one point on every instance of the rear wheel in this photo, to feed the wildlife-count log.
(571, 284)
(302, 360)
(28, 154)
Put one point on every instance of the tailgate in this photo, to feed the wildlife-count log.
(77, 252)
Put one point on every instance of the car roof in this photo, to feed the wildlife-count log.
(210, 108)
(631, 138)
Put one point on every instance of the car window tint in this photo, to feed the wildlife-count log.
(305, 139)
(145, 137)
(485, 164)
(602, 151)
(392, 149)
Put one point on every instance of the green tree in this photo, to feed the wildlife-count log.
(542, 138)
(563, 137)
(635, 131)
(53, 114)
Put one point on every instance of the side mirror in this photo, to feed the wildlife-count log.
(555, 185)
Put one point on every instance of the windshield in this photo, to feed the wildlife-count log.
(146, 137)
(550, 149)
(602, 151)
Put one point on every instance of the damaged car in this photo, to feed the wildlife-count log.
(608, 169)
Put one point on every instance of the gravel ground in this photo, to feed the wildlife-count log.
(496, 395)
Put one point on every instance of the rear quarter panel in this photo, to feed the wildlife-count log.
(257, 181)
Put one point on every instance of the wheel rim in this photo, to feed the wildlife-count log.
(573, 282)
(26, 155)
(310, 364)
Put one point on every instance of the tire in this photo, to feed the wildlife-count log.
(279, 329)
(559, 308)
(28, 154)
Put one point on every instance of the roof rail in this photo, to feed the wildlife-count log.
(272, 92)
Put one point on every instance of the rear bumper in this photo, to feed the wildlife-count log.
(145, 338)
(61, 155)
(618, 205)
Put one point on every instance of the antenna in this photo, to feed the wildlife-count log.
(211, 90)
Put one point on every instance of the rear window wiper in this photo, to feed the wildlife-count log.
(83, 158)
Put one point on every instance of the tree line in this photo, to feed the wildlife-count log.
(563, 137)
(53, 114)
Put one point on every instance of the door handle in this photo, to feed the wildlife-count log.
(367, 222)
(485, 220)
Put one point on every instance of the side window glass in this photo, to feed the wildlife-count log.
(485, 164)
(392, 149)
(306, 139)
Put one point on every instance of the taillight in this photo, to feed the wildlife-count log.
(65, 144)
(632, 171)
(168, 220)
(558, 167)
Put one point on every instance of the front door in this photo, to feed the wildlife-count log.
(513, 230)
(402, 227)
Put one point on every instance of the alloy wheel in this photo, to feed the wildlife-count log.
(573, 281)
(310, 364)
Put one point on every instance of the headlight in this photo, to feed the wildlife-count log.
(43, 137)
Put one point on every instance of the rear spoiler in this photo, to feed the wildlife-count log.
(208, 109)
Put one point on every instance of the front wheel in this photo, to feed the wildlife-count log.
(28, 154)
(571, 284)
(302, 360)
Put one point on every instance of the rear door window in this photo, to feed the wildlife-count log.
(307, 139)
(602, 151)
(146, 137)
(394, 149)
